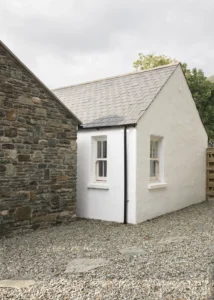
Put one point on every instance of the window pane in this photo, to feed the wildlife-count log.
(153, 149)
(154, 168)
(100, 168)
(105, 168)
(150, 149)
(99, 149)
(104, 149)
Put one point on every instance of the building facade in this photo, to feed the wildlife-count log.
(37, 150)
(141, 147)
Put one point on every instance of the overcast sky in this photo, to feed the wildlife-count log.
(71, 41)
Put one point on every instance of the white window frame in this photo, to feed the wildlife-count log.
(99, 179)
(159, 177)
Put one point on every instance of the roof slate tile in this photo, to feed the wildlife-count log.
(118, 100)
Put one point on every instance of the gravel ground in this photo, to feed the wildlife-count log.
(176, 264)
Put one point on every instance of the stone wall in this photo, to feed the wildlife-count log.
(37, 151)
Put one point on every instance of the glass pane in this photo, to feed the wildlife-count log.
(99, 149)
(153, 149)
(150, 149)
(105, 168)
(104, 149)
(100, 168)
(154, 168)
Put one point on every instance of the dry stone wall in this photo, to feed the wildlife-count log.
(37, 151)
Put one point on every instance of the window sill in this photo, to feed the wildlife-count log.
(99, 186)
(157, 185)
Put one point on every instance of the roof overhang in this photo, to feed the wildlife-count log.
(81, 127)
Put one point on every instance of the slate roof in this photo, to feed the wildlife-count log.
(114, 101)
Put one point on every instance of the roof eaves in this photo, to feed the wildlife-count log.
(81, 127)
(40, 82)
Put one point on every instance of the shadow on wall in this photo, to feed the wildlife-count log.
(109, 120)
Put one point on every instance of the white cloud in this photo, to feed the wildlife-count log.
(70, 41)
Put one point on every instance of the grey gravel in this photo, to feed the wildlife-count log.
(181, 269)
(173, 239)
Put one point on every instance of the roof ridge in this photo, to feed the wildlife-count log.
(124, 104)
(117, 76)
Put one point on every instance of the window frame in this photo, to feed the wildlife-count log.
(97, 178)
(159, 177)
(154, 159)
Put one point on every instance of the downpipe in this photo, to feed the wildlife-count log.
(125, 177)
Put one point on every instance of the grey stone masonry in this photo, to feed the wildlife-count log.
(37, 151)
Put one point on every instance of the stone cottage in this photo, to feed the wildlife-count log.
(37, 150)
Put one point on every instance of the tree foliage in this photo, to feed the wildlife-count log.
(201, 87)
(202, 91)
(151, 61)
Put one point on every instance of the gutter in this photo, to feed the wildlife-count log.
(125, 177)
(81, 127)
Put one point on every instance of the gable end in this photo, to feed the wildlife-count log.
(14, 60)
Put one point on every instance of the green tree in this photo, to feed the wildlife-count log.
(201, 88)
(151, 61)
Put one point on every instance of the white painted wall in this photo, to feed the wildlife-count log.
(174, 116)
(106, 204)
(131, 169)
